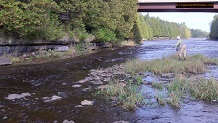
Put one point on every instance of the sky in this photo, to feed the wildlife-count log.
(193, 20)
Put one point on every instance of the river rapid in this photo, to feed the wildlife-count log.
(38, 82)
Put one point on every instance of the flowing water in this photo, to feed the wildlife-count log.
(56, 78)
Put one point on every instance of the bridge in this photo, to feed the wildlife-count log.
(177, 6)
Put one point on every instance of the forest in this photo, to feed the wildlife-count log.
(214, 28)
(106, 20)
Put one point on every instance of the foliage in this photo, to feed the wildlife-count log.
(79, 48)
(35, 20)
(143, 27)
(32, 19)
(104, 35)
(197, 33)
(214, 28)
(107, 20)
(161, 28)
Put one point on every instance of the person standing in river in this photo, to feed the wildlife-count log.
(181, 47)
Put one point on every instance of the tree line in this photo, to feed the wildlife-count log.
(107, 20)
(152, 27)
(214, 28)
(197, 33)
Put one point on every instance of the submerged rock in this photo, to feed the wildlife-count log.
(66, 121)
(87, 102)
(53, 98)
(82, 81)
(17, 96)
(76, 86)
(85, 89)
(121, 121)
(97, 82)
(64, 83)
(78, 106)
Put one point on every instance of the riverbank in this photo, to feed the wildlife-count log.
(43, 56)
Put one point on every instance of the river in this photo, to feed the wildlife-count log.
(39, 81)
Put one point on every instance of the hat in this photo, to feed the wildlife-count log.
(178, 37)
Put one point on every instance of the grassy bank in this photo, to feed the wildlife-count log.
(195, 64)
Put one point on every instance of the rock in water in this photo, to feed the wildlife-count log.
(17, 96)
(5, 61)
(53, 98)
(87, 102)
(121, 121)
(66, 121)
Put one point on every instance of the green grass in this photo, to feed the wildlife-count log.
(204, 89)
(127, 96)
(157, 85)
(197, 87)
(195, 64)
(160, 99)
(173, 100)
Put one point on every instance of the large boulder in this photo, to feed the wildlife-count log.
(5, 61)
(62, 48)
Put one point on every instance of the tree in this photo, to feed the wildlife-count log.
(35, 20)
(214, 28)
(197, 33)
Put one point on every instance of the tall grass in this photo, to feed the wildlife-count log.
(160, 99)
(204, 89)
(127, 96)
(195, 64)
(157, 85)
(199, 88)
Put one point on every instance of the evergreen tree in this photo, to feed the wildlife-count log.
(214, 28)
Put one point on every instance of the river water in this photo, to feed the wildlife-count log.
(56, 78)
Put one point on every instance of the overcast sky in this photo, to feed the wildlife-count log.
(193, 20)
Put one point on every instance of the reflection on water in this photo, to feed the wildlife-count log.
(56, 79)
